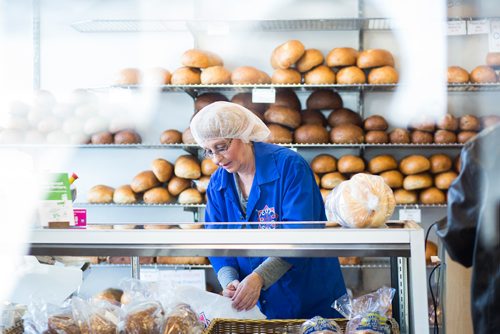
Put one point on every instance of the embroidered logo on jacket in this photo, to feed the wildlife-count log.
(267, 214)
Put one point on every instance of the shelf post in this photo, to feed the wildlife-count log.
(136, 267)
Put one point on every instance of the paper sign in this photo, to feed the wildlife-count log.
(457, 28)
(263, 95)
(80, 217)
(494, 37)
(411, 214)
(194, 278)
(478, 27)
(56, 207)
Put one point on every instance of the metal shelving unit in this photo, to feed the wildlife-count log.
(176, 205)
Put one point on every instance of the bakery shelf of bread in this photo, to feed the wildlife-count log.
(174, 205)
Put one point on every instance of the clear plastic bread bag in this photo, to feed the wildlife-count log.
(319, 325)
(141, 317)
(136, 290)
(368, 313)
(42, 317)
(184, 320)
(96, 316)
(361, 202)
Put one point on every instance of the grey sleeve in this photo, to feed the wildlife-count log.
(226, 275)
(271, 270)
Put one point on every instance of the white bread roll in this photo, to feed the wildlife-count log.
(190, 196)
(100, 194)
(124, 195)
(158, 195)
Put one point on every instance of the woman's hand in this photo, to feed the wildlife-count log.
(230, 289)
(247, 292)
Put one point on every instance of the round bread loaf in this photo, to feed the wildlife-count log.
(324, 194)
(287, 76)
(205, 99)
(448, 122)
(128, 76)
(331, 180)
(202, 184)
(324, 99)
(143, 317)
(198, 260)
(465, 136)
(374, 58)
(383, 75)
(344, 116)
(313, 116)
(215, 75)
(102, 138)
(190, 196)
(279, 134)
(186, 76)
(124, 195)
(100, 194)
(208, 167)
(457, 74)
(347, 134)
(187, 137)
(375, 123)
(399, 136)
(376, 137)
(430, 250)
(157, 226)
(187, 167)
(245, 75)
(382, 163)
(177, 184)
(287, 54)
(417, 181)
(490, 120)
(414, 164)
(338, 57)
(350, 164)
(320, 75)
(469, 123)
(127, 137)
(443, 180)
(143, 181)
(432, 196)
(483, 74)
(351, 75)
(440, 163)
(111, 295)
(311, 134)
(171, 136)
(287, 98)
(324, 163)
(62, 323)
(421, 137)
(283, 116)
(316, 178)
(200, 59)
(158, 195)
(156, 76)
(310, 59)
(445, 137)
(423, 124)
(403, 196)
(162, 169)
(393, 178)
(493, 59)
(245, 100)
(349, 261)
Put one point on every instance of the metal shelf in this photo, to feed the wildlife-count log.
(416, 206)
(474, 87)
(165, 205)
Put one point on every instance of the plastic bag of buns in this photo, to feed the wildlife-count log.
(135, 290)
(319, 325)
(367, 314)
(361, 202)
(42, 317)
(95, 316)
(142, 317)
(182, 320)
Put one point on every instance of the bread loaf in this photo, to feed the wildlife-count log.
(421, 137)
(403, 196)
(208, 167)
(187, 137)
(493, 59)
(399, 136)
(375, 123)
(102, 138)
(324, 163)
(62, 323)
(186, 76)
(283, 116)
(393, 178)
(350, 164)
(143, 181)
(128, 76)
(383, 75)
(100, 194)
(457, 74)
(176, 185)
(347, 134)
(190, 196)
(197, 260)
(465, 136)
(338, 57)
(187, 167)
(157, 76)
(440, 163)
(171, 137)
(426, 124)
(445, 137)
(483, 74)
(316, 178)
(288, 76)
(376, 137)
(431, 249)
(324, 99)
(287, 98)
(310, 59)
(111, 295)
(127, 137)
(311, 134)
(287, 54)
(374, 58)
(245, 100)
(313, 116)
(349, 261)
(320, 75)
(202, 184)
(279, 134)
(144, 318)
(351, 75)
(448, 122)
(162, 169)
(124, 195)
(344, 116)
(444, 180)
(245, 75)
(469, 123)
(382, 163)
(414, 164)
(215, 75)
(331, 180)
(417, 181)
(205, 99)
(432, 196)
(200, 59)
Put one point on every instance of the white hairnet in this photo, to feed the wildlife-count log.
(227, 120)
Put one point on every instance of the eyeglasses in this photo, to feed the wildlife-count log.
(218, 150)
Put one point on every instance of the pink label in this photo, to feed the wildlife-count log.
(80, 218)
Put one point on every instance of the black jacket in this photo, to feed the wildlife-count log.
(471, 231)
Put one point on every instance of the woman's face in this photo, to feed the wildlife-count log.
(229, 154)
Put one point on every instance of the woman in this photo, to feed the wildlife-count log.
(264, 183)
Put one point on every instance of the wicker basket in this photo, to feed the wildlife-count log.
(16, 329)
(235, 326)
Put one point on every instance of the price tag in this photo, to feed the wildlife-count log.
(263, 95)
(494, 36)
(150, 275)
(477, 27)
(457, 28)
(194, 278)
(411, 214)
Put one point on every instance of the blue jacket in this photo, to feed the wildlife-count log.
(283, 189)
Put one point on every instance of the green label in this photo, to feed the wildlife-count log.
(57, 187)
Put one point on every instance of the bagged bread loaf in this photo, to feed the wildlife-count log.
(319, 325)
(363, 201)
